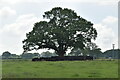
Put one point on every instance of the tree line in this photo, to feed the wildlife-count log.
(96, 54)
(8, 55)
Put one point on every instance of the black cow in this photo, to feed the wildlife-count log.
(64, 58)
(35, 59)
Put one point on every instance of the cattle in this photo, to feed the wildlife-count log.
(35, 59)
(64, 58)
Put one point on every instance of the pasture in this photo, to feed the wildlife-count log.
(59, 69)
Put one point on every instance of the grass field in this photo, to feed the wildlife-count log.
(59, 69)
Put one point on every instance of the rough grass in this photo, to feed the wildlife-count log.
(59, 69)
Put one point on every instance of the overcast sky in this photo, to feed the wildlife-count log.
(18, 16)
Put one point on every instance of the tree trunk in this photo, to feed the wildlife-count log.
(61, 53)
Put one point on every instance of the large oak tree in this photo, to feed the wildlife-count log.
(63, 30)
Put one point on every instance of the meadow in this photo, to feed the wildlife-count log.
(59, 69)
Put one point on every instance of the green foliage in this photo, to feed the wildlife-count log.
(91, 49)
(47, 54)
(75, 52)
(114, 54)
(6, 54)
(36, 55)
(27, 56)
(60, 69)
(14, 56)
(64, 30)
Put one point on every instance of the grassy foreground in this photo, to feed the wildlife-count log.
(60, 69)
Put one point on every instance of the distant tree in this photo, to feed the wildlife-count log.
(86, 51)
(113, 54)
(75, 52)
(6, 54)
(14, 56)
(64, 30)
(36, 54)
(54, 54)
(96, 53)
(27, 56)
(93, 50)
(46, 54)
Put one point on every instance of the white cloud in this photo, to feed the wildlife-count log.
(23, 23)
(101, 2)
(107, 2)
(11, 1)
(13, 34)
(106, 34)
(7, 11)
(110, 20)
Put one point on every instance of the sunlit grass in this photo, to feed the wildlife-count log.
(60, 69)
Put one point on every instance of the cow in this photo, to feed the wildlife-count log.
(64, 58)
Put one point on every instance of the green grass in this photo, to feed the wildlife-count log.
(60, 69)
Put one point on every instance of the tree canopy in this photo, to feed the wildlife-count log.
(63, 30)
(6, 54)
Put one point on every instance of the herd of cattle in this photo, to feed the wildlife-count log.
(64, 58)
